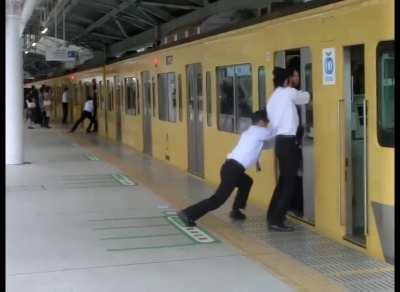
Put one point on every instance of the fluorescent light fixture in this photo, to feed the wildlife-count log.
(34, 44)
(140, 50)
(26, 52)
(44, 30)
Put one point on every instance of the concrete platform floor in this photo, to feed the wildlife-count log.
(91, 215)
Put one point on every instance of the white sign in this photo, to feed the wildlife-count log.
(60, 54)
(328, 66)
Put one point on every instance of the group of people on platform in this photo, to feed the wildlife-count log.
(38, 105)
(280, 120)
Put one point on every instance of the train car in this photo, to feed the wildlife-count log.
(187, 104)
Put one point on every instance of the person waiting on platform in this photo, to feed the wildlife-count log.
(46, 107)
(31, 106)
(87, 113)
(65, 104)
(281, 109)
(244, 155)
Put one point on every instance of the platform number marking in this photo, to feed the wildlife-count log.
(329, 66)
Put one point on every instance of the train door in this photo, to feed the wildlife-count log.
(118, 110)
(194, 77)
(303, 204)
(146, 93)
(355, 137)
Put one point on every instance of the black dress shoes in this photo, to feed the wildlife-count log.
(237, 215)
(186, 220)
(280, 227)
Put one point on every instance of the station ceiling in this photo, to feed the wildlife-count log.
(114, 28)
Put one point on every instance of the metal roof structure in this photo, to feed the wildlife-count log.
(113, 28)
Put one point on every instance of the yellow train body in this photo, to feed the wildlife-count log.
(337, 25)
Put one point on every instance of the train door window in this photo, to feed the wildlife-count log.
(385, 94)
(131, 96)
(180, 97)
(208, 96)
(167, 97)
(261, 88)
(234, 93)
(101, 95)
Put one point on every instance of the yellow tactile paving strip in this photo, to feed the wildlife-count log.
(281, 265)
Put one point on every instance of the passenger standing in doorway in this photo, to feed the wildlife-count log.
(282, 112)
(296, 204)
(244, 155)
(87, 113)
(65, 105)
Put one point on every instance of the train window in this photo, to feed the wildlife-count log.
(208, 96)
(385, 94)
(110, 96)
(180, 97)
(137, 97)
(131, 106)
(101, 95)
(167, 97)
(234, 93)
(261, 88)
(153, 89)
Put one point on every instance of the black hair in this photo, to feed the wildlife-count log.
(279, 76)
(290, 71)
(88, 97)
(260, 115)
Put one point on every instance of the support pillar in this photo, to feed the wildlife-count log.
(14, 87)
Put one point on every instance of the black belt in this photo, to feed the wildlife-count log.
(285, 136)
(235, 162)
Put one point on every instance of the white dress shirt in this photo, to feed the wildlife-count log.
(65, 97)
(250, 145)
(88, 106)
(281, 109)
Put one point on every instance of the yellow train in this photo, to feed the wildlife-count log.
(187, 103)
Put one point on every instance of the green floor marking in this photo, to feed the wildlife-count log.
(124, 180)
(92, 157)
(143, 236)
(195, 233)
(151, 247)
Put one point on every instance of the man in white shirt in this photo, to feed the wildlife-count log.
(87, 113)
(65, 105)
(244, 155)
(282, 112)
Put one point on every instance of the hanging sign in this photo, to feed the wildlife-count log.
(60, 54)
(328, 66)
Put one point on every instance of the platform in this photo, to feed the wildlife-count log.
(87, 214)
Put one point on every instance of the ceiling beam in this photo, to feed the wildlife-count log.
(197, 2)
(121, 28)
(148, 36)
(162, 14)
(136, 19)
(111, 37)
(132, 23)
(125, 4)
(169, 5)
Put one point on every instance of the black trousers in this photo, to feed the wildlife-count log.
(232, 175)
(65, 112)
(287, 153)
(84, 115)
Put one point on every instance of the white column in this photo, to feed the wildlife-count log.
(14, 91)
